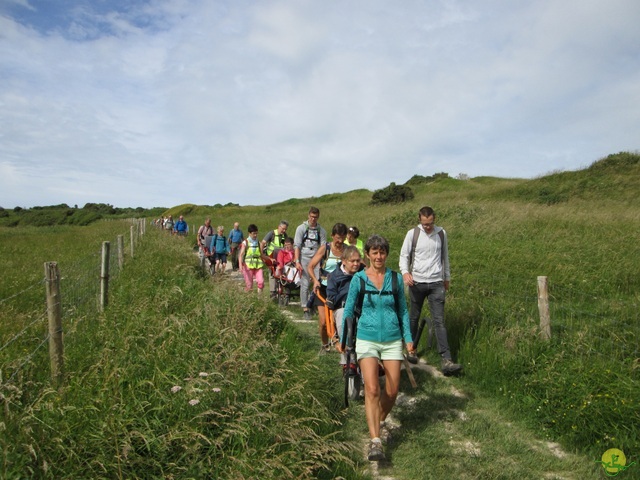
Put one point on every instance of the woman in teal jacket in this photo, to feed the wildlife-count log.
(380, 333)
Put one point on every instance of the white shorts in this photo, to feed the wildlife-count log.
(381, 350)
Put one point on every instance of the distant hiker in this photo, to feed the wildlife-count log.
(272, 242)
(203, 232)
(168, 224)
(181, 228)
(235, 239)
(325, 261)
(352, 239)
(308, 238)
(424, 263)
(250, 260)
(220, 247)
(382, 327)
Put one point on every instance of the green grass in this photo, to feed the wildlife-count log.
(166, 324)
(180, 378)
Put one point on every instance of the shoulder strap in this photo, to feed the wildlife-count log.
(357, 310)
(414, 242)
(394, 290)
(396, 298)
(441, 235)
(327, 252)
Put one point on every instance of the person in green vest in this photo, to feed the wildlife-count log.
(352, 239)
(270, 245)
(250, 260)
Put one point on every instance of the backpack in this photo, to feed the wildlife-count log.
(349, 331)
(204, 232)
(414, 242)
(214, 240)
(305, 237)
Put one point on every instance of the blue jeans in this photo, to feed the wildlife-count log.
(434, 293)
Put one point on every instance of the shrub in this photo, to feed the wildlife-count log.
(392, 194)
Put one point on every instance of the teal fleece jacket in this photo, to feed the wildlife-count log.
(379, 319)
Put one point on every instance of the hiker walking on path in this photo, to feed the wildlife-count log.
(220, 247)
(338, 288)
(308, 238)
(235, 239)
(203, 232)
(270, 245)
(324, 262)
(181, 227)
(250, 260)
(424, 263)
(352, 239)
(381, 329)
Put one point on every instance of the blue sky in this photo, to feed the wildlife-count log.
(164, 102)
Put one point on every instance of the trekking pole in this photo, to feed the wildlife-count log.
(329, 324)
(430, 337)
(347, 346)
(407, 367)
(421, 325)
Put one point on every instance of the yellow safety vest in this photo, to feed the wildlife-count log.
(277, 242)
(359, 246)
(252, 254)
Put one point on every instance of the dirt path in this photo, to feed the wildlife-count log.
(472, 430)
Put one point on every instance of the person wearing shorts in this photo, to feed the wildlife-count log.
(382, 327)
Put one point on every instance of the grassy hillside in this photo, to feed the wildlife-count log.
(167, 324)
(504, 233)
(611, 179)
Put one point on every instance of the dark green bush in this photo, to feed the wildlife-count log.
(392, 194)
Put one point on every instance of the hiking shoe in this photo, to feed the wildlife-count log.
(375, 450)
(385, 433)
(412, 357)
(307, 315)
(449, 368)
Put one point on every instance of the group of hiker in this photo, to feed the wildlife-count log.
(167, 223)
(352, 279)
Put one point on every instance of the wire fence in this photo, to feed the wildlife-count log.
(610, 323)
(605, 321)
(80, 299)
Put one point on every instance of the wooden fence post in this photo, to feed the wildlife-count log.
(543, 308)
(104, 276)
(133, 231)
(120, 252)
(54, 312)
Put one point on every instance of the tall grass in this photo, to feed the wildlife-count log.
(167, 325)
(180, 378)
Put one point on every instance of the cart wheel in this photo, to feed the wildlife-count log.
(353, 386)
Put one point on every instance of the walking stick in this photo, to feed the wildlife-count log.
(328, 317)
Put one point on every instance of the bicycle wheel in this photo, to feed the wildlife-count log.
(354, 383)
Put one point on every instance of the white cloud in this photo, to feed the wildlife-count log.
(315, 97)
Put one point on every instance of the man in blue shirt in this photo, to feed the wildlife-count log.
(180, 227)
(235, 239)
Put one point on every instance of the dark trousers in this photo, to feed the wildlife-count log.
(234, 255)
(434, 293)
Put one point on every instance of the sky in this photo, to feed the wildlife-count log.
(146, 103)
